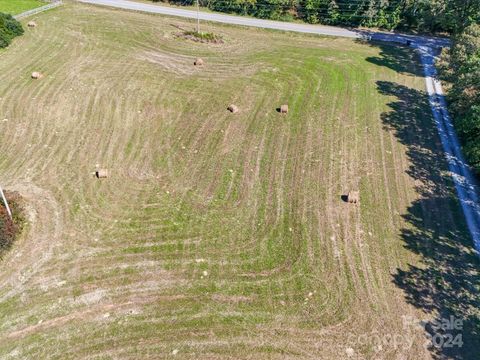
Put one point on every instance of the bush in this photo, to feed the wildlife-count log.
(424, 15)
(206, 37)
(461, 68)
(9, 28)
(9, 229)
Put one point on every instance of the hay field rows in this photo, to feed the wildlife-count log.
(218, 235)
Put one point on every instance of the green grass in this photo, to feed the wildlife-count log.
(214, 228)
(15, 7)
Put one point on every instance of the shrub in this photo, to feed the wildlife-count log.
(202, 35)
(460, 67)
(206, 37)
(9, 28)
(9, 229)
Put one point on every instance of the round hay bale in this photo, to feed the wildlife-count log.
(233, 108)
(284, 109)
(198, 62)
(32, 24)
(37, 75)
(353, 196)
(101, 173)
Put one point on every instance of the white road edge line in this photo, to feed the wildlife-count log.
(463, 178)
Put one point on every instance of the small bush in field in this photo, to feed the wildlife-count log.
(9, 28)
(10, 228)
(206, 37)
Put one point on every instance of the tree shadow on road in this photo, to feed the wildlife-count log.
(447, 281)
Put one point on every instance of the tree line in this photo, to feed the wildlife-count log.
(449, 16)
(9, 28)
(460, 68)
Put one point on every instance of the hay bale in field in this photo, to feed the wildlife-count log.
(32, 24)
(101, 173)
(198, 62)
(37, 75)
(284, 109)
(353, 196)
(233, 108)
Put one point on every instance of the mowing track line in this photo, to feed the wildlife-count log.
(465, 183)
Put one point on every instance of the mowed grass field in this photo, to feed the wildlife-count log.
(221, 235)
(18, 6)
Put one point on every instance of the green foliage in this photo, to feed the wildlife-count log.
(461, 67)
(333, 13)
(441, 15)
(9, 28)
(9, 228)
(423, 15)
(203, 36)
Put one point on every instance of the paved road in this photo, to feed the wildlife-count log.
(465, 182)
(268, 24)
(226, 19)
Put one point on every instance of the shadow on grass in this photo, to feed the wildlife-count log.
(398, 58)
(447, 281)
